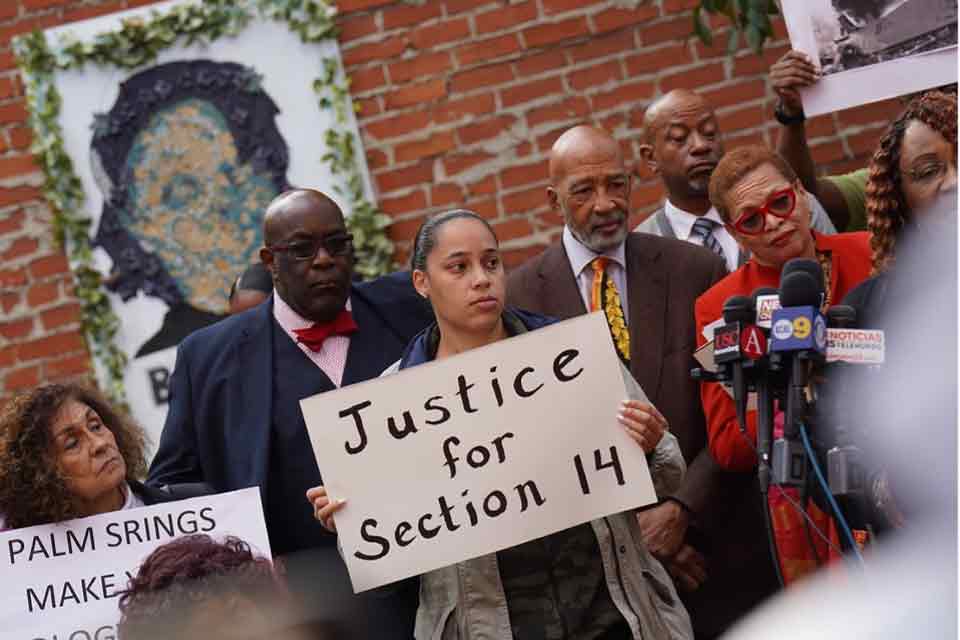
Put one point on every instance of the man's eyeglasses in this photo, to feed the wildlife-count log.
(781, 204)
(336, 245)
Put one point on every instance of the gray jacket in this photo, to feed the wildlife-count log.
(658, 224)
(466, 601)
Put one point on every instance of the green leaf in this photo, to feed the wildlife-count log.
(701, 30)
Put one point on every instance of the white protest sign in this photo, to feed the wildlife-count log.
(468, 455)
(63, 581)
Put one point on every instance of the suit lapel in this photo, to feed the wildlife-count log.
(648, 289)
(255, 358)
(558, 286)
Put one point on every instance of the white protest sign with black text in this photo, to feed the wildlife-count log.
(63, 581)
(468, 455)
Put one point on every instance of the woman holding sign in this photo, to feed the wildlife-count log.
(66, 453)
(595, 580)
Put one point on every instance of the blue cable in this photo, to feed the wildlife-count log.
(826, 489)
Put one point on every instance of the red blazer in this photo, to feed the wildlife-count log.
(850, 259)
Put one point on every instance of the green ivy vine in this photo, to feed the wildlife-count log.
(137, 42)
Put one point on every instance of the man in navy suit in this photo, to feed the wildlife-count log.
(234, 419)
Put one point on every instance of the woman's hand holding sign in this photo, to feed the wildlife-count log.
(643, 423)
(324, 507)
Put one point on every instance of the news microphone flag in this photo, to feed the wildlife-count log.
(798, 329)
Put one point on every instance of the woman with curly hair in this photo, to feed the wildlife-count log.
(196, 587)
(915, 162)
(66, 453)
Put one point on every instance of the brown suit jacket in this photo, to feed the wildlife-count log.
(664, 278)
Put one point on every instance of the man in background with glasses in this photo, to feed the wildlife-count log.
(235, 419)
(765, 207)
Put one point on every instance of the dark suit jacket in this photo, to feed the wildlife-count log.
(221, 415)
(664, 278)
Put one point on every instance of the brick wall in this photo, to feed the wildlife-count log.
(460, 102)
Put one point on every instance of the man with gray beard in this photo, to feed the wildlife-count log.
(646, 285)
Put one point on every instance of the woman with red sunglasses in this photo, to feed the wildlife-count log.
(765, 208)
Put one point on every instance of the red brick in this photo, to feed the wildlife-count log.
(64, 367)
(455, 109)
(367, 107)
(440, 33)
(17, 165)
(406, 15)
(11, 278)
(346, 6)
(379, 50)
(509, 17)
(414, 201)
(745, 118)
(376, 159)
(865, 142)
(367, 79)
(732, 94)
(738, 139)
(8, 87)
(12, 222)
(512, 229)
(43, 293)
(549, 33)
(516, 257)
(429, 64)
(551, 7)
(434, 145)
(659, 59)
(416, 94)
(50, 346)
(751, 63)
(820, 126)
(460, 162)
(517, 176)
(8, 9)
(483, 50)
(550, 219)
(92, 11)
(356, 27)
(7, 59)
(676, 6)
(8, 357)
(666, 30)
(693, 78)
(597, 74)
(573, 108)
(545, 141)
(20, 137)
(459, 6)
(419, 173)
(485, 187)
(446, 194)
(19, 248)
(16, 195)
(525, 201)
(51, 265)
(612, 19)
(16, 329)
(403, 230)
(876, 112)
(12, 29)
(13, 112)
(9, 299)
(485, 129)
(528, 91)
(23, 378)
(541, 62)
(400, 125)
(625, 95)
(601, 46)
(481, 77)
(484, 207)
(59, 316)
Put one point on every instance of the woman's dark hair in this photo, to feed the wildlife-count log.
(250, 114)
(426, 239)
(32, 490)
(886, 205)
(188, 572)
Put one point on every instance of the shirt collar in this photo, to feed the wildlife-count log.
(682, 221)
(580, 256)
(289, 319)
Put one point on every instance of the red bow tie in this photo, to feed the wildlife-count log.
(313, 337)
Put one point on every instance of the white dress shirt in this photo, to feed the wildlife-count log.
(682, 223)
(580, 258)
(332, 357)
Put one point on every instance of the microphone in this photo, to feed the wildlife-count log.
(737, 310)
(766, 300)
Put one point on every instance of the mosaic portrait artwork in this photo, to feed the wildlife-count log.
(187, 160)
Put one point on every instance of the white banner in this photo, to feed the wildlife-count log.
(63, 581)
(468, 455)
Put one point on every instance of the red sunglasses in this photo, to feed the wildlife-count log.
(780, 204)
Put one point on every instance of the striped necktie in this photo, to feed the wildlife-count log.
(703, 229)
(604, 295)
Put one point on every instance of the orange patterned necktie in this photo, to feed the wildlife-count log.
(604, 295)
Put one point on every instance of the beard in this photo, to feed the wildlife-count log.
(595, 239)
